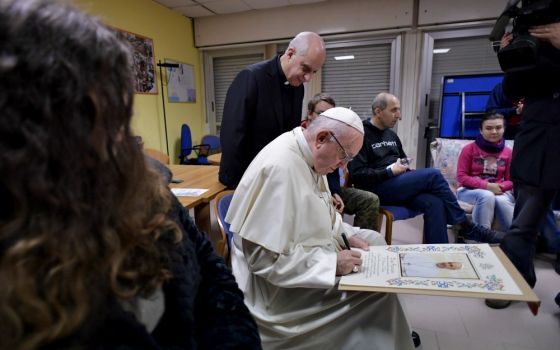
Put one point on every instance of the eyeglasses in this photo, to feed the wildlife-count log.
(345, 156)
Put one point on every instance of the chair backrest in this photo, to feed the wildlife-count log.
(221, 205)
(213, 141)
(157, 155)
(186, 140)
(187, 147)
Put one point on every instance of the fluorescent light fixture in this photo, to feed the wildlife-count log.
(348, 57)
(441, 50)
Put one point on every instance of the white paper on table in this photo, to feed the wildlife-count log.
(188, 192)
(482, 271)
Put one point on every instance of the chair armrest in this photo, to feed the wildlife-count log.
(202, 149)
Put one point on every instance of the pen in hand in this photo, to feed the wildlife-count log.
(345, 240)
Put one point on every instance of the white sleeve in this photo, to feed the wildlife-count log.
(302, 267)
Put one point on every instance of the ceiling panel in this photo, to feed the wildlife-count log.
(227, 6)
(301, 2)
(201, 8)
(194, 11)
(266, 4)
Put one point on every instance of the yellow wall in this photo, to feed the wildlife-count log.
(172, 36)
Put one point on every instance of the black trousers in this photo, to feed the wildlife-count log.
(519, 244)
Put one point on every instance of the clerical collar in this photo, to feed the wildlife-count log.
(281, 75)
(303, 146)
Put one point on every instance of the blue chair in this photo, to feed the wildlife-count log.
(187, 148)
(213, 141)
(221, 205)
(394, 213)
(390, 212)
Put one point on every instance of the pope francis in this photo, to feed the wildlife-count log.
(288, 249)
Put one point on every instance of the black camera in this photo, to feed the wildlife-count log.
(523, 52)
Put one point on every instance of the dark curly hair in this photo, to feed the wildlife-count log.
(81, 218)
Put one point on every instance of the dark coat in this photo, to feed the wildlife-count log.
(204, 308)
(253, 116)
(536, 152)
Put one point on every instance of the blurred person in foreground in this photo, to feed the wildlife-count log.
(95, 253)
(536, 151)
(288, 250)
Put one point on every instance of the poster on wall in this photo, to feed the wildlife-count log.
(180, 82)
(143, 62)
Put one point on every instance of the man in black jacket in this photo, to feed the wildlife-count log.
(264, 101)
(536, 152)
(382, 167)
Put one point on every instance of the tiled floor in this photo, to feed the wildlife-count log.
(446, 323)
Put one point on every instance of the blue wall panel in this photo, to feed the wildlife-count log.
(477, 89)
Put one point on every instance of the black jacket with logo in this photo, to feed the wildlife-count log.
(381, 148)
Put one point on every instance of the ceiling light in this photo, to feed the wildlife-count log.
(441, 50)
(339, 58)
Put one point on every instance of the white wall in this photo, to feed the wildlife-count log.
(331, 17)
(338, 16)
(452, 11)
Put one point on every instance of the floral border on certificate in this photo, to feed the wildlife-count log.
(491, 283)
(456, 248)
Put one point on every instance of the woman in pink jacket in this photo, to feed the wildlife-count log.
(483, 174)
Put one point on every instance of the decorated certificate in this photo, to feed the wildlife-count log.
(472, 268)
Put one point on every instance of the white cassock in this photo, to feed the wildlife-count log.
(284, 259)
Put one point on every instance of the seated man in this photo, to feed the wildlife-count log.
(287, 248)
(382, 167)
(363, 204)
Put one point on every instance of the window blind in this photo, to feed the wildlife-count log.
(355, 82)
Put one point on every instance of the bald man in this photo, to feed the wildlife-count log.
(264, 101)
(382, 167)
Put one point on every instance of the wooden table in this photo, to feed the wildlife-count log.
(198, 176)
(215, 158)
